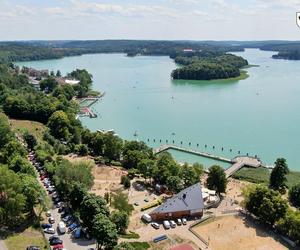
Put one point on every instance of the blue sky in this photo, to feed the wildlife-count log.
(149, 19)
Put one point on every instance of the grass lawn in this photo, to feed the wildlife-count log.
(130, 235)
(29, 237)
(139, 245)
(35, 128)
(262, 175)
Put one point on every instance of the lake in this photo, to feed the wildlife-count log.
(259, 115)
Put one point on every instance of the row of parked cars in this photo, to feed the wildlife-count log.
(68, 223)
(55, 242)
(166, 223)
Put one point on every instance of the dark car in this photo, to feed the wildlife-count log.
(33, 248)
(55, 242)
(46, 225)
(53, 237)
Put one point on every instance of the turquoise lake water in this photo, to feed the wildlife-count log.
(259, 115)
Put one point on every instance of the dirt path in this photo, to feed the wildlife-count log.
(2, 245)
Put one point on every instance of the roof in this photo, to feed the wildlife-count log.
(188, 199)
(69, 81)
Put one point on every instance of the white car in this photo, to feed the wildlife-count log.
(155, 225)
(184, 221)
(48, 213)
(61, 227)
(179, 222)
(49, 230)
(172, 223)
(166, 224)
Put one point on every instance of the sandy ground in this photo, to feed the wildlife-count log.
(225, 232)
(107, 179)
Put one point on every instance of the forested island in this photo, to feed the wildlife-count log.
(208, 66)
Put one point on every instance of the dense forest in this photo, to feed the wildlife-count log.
(38, 50)
(208, 66)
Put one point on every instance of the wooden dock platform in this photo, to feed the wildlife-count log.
(237, 162)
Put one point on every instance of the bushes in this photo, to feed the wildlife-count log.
(125, 181)
(294, 195)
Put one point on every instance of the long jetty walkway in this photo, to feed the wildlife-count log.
(237, 162)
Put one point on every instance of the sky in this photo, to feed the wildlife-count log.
(149, 19)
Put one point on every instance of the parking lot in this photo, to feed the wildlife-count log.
(69, 241)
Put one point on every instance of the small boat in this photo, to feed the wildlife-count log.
(135, 133)
(173, 133)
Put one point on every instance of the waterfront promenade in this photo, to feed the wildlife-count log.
(237, 162)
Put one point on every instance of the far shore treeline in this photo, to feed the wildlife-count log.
(200, 60)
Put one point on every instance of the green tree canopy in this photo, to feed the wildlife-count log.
(12, 199)
(278, 174)
(105, 232)
(265, 203)
(216, 179)
(121, 220)
(294, 195)
(59, 125)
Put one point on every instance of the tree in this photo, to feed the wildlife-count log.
(124, 246)
(59, 125)
(190, 174)
(294, 195)
(77, 195)
(174, 184)
(278, 174)
(82, 149)
(32, 190)
(91, 206)
(105, 232)
(216, 179)
(290, 225)
(12, 199)
(120, 202)
(48, 84)
(5, 131)
(125, 181)
(19, 164)
(265, 203)
(145, 167)
(121, 220)
(58, 73)
(30, 140)
(68, 174)
(11, 150)
(112, 146)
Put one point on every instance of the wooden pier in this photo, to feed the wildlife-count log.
(237, 162)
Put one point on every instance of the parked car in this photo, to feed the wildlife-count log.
(46, 225)
(53, 237)
(48, 213)
(155, 225)
(184, 221)
(66, 218)
(61, 227)
(55, 242)
(77, 233)
(33, 248)
(51, 220)
(146, 218)
(73, 226)
(58, 247)
(59, 204)
(166, 224)
(179, 222)
(172, 223)
(50, 230)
